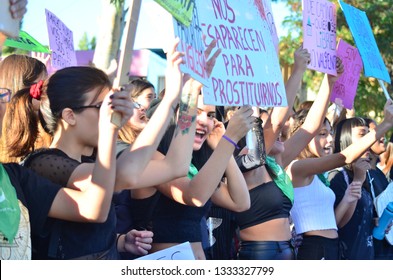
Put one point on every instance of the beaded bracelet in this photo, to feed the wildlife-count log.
(231, 141)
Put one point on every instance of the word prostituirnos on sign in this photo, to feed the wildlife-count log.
(319, 34)
(344, 90)
(61, 42)
(182, 10)
(365, 42)
(247, 72)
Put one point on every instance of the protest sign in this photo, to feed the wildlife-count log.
(26, 42)
(191, 45)
(319, 34)
(247, 71)
(344, 90)
(365, 42)
(271, 24)
(182, 251)
(181, 10)
(61, 42)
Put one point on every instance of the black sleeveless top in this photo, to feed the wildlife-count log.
(268, 202)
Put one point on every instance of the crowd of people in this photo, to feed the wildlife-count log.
(75, 185)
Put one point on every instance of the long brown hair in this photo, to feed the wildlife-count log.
(20, 71)
(299, 118)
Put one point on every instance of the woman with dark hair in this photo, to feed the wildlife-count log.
(86, 202)
(355, 230)
(386, 160)
(383, 250)
(69, 101)
(179, 204)
(30, 202)
(264, 229)
(313, 213)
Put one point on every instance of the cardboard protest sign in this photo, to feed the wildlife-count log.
(26, 42)
(319, 34)
(181, 10)
(344, 90)
(182, 251)
(365, 42)
(247, 71)
(193, 48)
(61, 42)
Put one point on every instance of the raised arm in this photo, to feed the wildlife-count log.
(177, 160)
(233, 194)
(91, 198)
(311, 166)
(197, 191)
(279, 115)
(133, 161)
(315, 117)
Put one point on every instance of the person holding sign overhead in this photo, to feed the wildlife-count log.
(264, 228)
(356, 226)
(184, 201)
(317, 214)
(34, 200)
(71, 119)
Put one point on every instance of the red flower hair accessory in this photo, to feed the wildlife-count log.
(36, 90)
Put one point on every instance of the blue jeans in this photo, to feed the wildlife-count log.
(266, 250)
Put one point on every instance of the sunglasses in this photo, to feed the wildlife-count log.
(97, 106)
(5, 95)
(137, 105)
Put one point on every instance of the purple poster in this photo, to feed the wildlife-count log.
(61, 42)
(344, 89)
(319, 34)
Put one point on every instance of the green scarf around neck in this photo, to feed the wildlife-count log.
(323, 179)
(282, 179)
(9, 207)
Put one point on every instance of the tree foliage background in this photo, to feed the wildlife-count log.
(369, 100)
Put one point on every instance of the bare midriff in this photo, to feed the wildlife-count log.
(328, 233)
(273, 230)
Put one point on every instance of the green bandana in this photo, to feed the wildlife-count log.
(9, 207)
(324, 180)
(192, 171)
(282, 179)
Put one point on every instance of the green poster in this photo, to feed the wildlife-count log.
(26, 42)
(181, 10)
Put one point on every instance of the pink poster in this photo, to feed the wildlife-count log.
(319, 34)
(344, 90)
(61, 42)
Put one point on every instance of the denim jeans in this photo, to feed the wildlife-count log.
(266, 250)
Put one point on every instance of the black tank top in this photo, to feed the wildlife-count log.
(268, 202)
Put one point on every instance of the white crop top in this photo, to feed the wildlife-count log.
(313, 207)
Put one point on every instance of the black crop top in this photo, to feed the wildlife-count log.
(268, 202)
